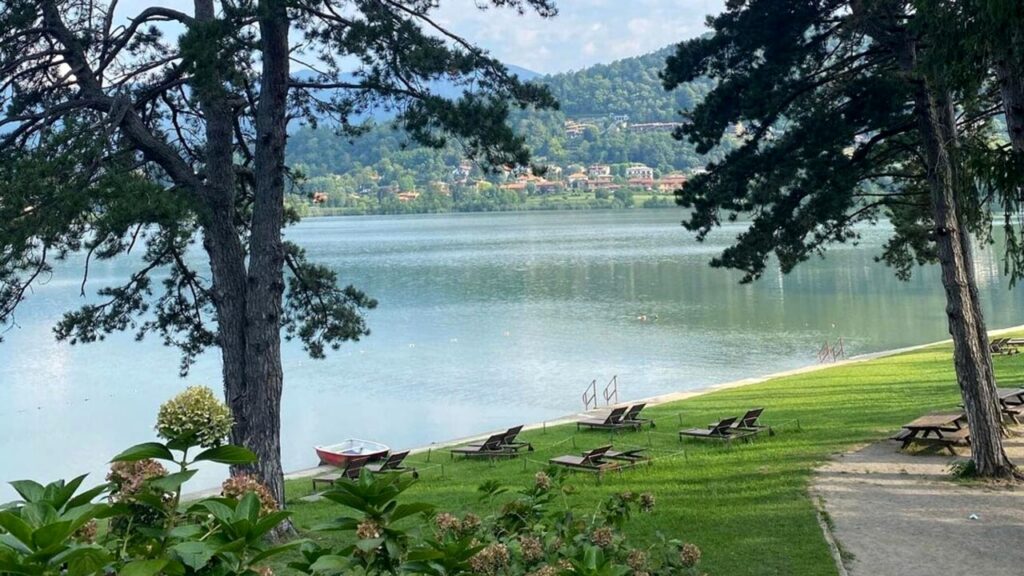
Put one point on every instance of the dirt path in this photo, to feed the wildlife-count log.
(896, 514)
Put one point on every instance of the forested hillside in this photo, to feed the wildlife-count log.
(614, 114)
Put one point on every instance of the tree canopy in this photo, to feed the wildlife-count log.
(153, 132)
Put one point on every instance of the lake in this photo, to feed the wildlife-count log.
(485, 321)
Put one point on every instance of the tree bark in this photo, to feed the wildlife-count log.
(971, 354)
(259, 417)
(936, 123)
(220, 236)
(1011, 88)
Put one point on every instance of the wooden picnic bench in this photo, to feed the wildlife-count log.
(945, 430)
(1011, 401)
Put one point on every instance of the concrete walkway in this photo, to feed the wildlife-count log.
(898, 514)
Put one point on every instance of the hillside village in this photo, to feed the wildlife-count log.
(466, 179)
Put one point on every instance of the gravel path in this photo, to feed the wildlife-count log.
(897, 514)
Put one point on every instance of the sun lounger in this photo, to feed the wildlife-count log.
(749, 422)
(510, 442)
(353, 467)
(614, 421)
(592, 461)
(632, 455)
(721, 431)
(392, 464)
(493, 447)
(633, 415)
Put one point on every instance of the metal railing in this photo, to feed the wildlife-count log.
(832, 352)
(611, 390)
(590, 396)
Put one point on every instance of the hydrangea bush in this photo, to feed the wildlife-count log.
(533, 532)
(142, 528)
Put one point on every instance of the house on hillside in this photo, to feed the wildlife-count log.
(641, 171)
(654, 127)
(599, 171)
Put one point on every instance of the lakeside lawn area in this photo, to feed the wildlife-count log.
(746, 505)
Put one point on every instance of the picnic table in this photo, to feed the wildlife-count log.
(1011, 400)
(1011, 396)
(945, 429)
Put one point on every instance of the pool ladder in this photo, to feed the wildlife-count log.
(611, 392)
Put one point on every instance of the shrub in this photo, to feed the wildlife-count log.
(56, 530)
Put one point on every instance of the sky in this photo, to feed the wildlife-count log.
(585, 32)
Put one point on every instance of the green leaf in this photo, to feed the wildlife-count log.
(369, 544)
(84, 561)
(52, 534)
(9, 541)
(277, 550)
(330, 564)
(143, 568)
(30, 491)
(248, 509)
(188, 532)
(220, 511)
(228, 454)
(87, 496)
(269, 522)
(16, 527)
(38, 514)
(405, 510)
(172, 482)
(64, 493)
(144, 451)
(195, 555)
(336, 524)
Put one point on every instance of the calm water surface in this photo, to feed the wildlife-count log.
(484, 321)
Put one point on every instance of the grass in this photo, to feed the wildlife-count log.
(747, 506)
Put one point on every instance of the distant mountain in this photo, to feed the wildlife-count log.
(443, 88)
(613, 114)
(625, 87)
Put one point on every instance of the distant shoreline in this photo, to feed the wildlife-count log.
(314, 212)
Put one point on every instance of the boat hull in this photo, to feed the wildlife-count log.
(341, 454)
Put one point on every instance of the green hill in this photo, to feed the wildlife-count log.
(613, 114)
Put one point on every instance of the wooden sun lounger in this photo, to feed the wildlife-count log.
(632, 455)
(633, 415)
(592, 461)
(493, 447)
(723, 430)
(392, 464)
(351, 471)
(614, 421)
(510, 441)
(749, 423)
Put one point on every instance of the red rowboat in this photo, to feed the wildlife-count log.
(340, 454)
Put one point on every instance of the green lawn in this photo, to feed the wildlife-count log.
(746, 506)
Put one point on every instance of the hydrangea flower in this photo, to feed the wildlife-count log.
(195, 414)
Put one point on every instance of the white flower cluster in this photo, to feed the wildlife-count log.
(195, 415)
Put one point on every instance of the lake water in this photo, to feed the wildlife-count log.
(485, 321)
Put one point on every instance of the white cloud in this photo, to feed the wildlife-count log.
(585, 32)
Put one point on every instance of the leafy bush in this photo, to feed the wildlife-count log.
(52, 530)
(57, 530)
(533, 532)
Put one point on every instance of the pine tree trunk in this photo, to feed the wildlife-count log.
(1011, 87)
(260, 425)
(971, 355)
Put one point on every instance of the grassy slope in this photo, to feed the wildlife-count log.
(746, 506)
